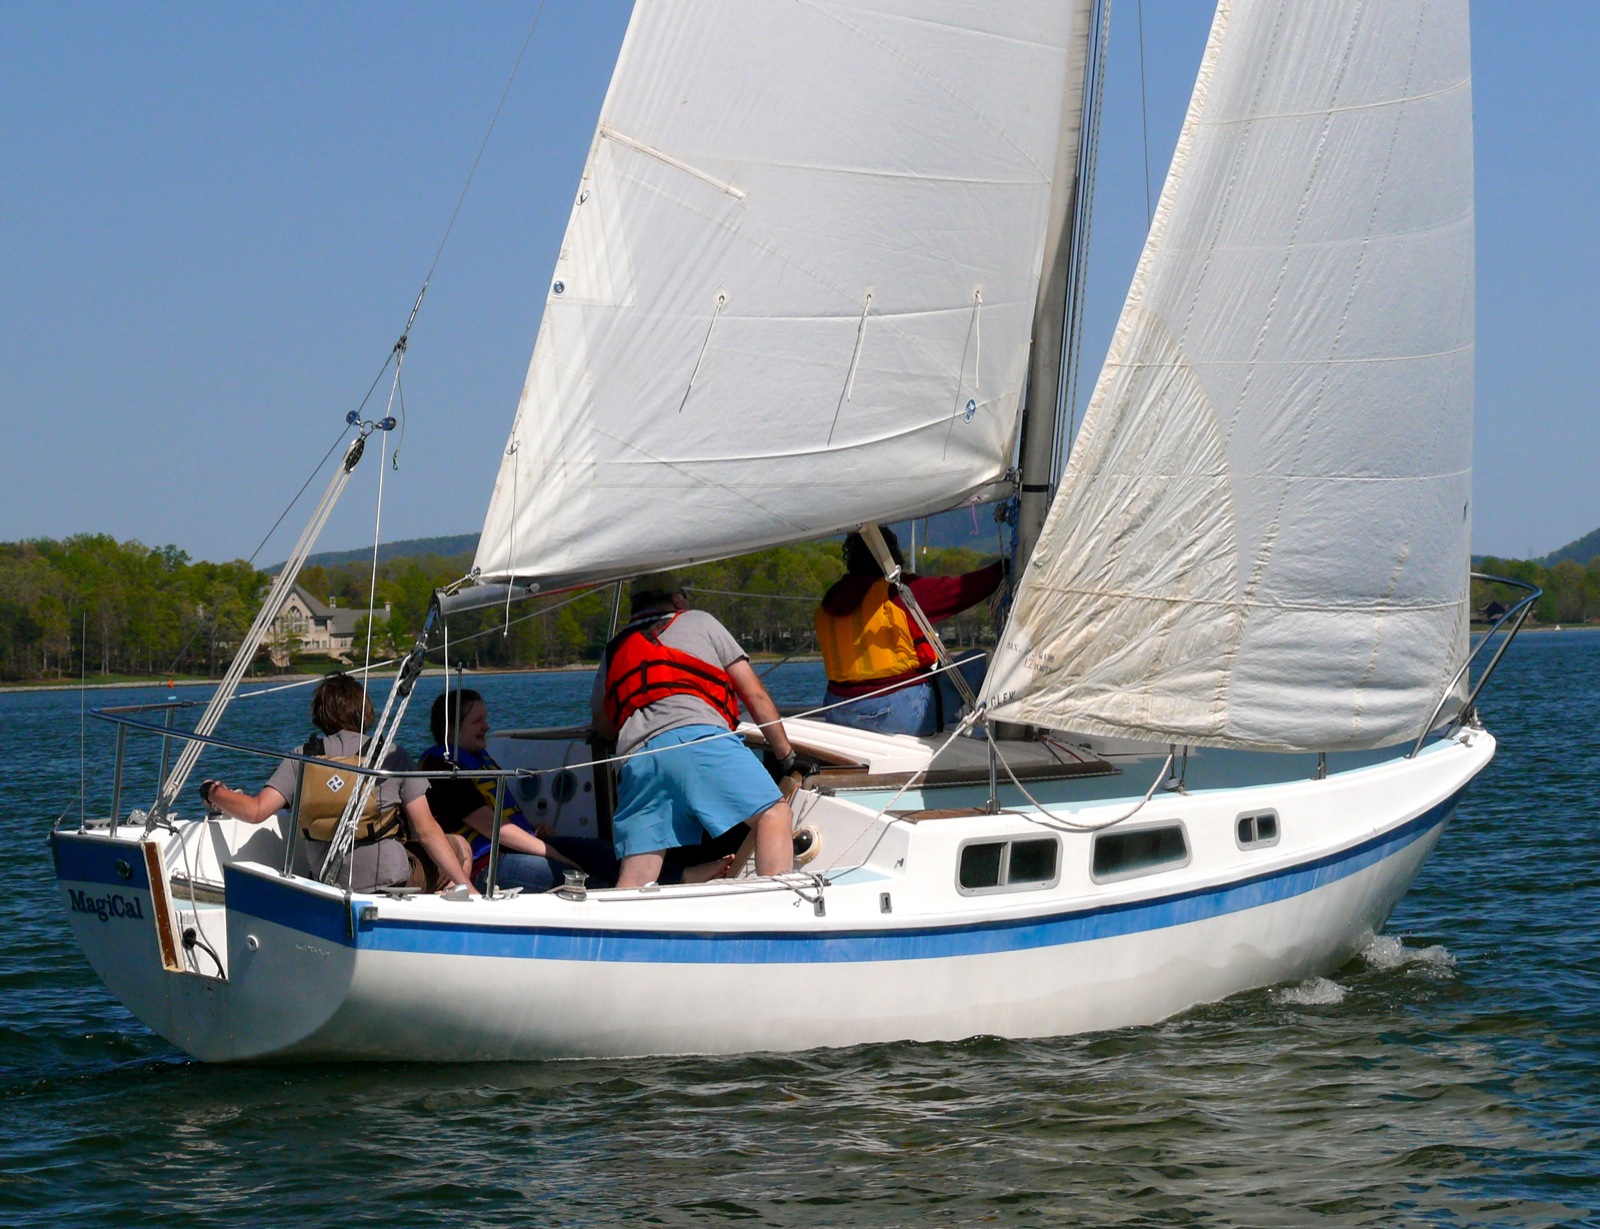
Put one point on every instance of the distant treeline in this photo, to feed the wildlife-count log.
(1571, 589)
(103, 607)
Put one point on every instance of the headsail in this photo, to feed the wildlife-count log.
(797, 284)
(1262, 536)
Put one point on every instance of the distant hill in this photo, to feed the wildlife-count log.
(972, 528)
(1581, 551)
(453, 544)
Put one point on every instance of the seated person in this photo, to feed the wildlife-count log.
(341, 710)
(870, 642)
(668, 692)
(465, 805)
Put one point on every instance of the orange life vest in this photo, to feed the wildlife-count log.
(876, 640)
(641, 670)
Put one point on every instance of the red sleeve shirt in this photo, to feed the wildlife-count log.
(943, 596)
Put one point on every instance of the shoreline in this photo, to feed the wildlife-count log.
(277, 679)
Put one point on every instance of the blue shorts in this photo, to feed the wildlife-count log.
(703, 784)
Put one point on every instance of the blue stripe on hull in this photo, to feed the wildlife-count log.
(280, 902)
(95, 859)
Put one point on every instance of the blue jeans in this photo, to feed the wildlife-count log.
(914, 709)
(536, 873)
(910, 710)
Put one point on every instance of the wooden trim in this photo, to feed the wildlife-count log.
(161, 906)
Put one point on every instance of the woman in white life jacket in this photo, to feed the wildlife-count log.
(396, 812)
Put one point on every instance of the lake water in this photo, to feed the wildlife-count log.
(1449, 1077)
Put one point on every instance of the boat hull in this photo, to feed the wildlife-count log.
(888, 954)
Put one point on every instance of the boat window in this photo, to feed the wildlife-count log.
(1257, 828)
(993, 866)
(980, 865)
(1139, 851)
(1032, 861)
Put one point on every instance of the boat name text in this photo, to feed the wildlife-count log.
(106, 907)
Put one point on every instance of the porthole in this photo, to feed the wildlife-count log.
(1010, 865)
(1255, 829)
(1121, 854)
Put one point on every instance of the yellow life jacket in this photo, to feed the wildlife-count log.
(874, 641)
(324, 792)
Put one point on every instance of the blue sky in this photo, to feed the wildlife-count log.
(214, 220)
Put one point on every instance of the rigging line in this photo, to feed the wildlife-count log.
(504, 94)
(511, 561)
(961, 374)
(1144, 119)
(315, 679)
(1072, 825)
(850, 375)
(83, 726)
(774, 597)
(915, 778)
(317, 469)
(194, 906)
(400, 393)
(605, 761)
(977, 341)
(783, 661)
(616, 613)
(497, 629)
(372, 588)
(704, 346)
(398, 350)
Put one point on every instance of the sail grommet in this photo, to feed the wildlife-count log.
(559, 287)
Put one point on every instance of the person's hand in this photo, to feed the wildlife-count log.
(544, 830)
(206, 787)
(792, 764)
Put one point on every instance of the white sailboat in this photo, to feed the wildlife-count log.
(814, 273)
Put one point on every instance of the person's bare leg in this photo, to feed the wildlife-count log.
(705, 872)
(639, 869)
(774, 833)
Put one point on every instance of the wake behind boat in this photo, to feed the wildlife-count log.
(1229, 715)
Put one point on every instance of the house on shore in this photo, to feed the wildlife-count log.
(306, 625)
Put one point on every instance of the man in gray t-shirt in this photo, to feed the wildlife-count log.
(668, 691)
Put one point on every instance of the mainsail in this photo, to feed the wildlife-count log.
(798, 281)
(1262, 537)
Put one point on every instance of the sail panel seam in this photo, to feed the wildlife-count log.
(660, 155)
(1329, 112)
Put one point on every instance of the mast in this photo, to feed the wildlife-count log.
(1043, 405)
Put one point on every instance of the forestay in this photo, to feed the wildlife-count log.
(1261, 539)
(797, 283)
